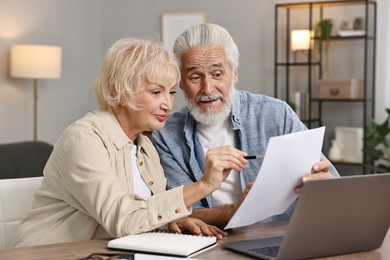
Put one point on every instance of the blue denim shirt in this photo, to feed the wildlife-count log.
(255, 118)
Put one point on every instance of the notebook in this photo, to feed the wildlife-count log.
(332, 217)
(164, 243)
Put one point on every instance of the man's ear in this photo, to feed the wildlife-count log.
(235, 76)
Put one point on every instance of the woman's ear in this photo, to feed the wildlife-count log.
(122, 102)
(114, 92)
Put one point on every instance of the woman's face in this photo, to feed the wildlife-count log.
(155, 102)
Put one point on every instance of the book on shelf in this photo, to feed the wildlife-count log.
(302, 105)
(164, 243)
(351, 33)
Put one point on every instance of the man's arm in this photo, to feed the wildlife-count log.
(220, 216)
(175, 160)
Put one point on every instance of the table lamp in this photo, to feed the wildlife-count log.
(35, 62)
(301, 40)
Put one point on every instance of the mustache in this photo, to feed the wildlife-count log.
(203, 98)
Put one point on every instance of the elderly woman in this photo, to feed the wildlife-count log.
(104, 177)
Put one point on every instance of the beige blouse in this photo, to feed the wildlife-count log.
(87, 189)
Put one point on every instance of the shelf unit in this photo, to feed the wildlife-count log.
(309, 71)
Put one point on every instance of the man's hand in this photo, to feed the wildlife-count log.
(319, 171)
(236, 205)
(196, 227)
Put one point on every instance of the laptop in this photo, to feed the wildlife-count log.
(332, 217)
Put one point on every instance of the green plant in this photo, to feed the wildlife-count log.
(377, 144)
(322, 34)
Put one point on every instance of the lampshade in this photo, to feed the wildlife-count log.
(300, 40)
(36, 61)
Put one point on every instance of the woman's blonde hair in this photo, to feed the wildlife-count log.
(128, 64)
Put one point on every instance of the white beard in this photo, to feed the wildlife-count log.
(208, 117)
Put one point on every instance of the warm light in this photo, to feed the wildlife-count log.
(35, 61)
(300, 40)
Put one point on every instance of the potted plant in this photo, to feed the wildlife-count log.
(322, 34)
(378, 144)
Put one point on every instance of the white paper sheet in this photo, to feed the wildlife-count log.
(287, 158)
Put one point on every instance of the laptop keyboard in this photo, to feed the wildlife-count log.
(269, 251)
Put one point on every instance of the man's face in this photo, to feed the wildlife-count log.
(207, 79)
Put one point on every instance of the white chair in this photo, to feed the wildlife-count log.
(16, 196)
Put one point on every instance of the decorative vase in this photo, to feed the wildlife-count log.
(335, 153)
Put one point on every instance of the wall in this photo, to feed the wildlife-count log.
(246, 25)
(86, 28)
(383, 56)
(76, 27)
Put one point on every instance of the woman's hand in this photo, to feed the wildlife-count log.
(219, 162)
(196, 227)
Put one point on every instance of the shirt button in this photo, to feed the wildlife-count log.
(151, 183)
(159, 217)
(140, 163)
(177, 211)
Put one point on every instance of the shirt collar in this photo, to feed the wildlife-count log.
(115, 131)
(236, 109)
(189, 125)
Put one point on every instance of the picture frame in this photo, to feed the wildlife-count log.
(351, 141)
(174, 23)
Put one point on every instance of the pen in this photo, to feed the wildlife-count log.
(252, 157)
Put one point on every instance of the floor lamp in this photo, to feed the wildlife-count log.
(36, 62)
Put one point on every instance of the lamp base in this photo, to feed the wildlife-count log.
(35, 109)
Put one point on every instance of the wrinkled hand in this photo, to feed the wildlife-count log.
(196, 227)
(319, 171)
(219, 162)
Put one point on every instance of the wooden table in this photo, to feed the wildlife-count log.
(79, 250)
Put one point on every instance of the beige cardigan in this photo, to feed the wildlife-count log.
(87, 189)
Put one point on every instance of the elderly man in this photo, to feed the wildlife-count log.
(218, 116)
